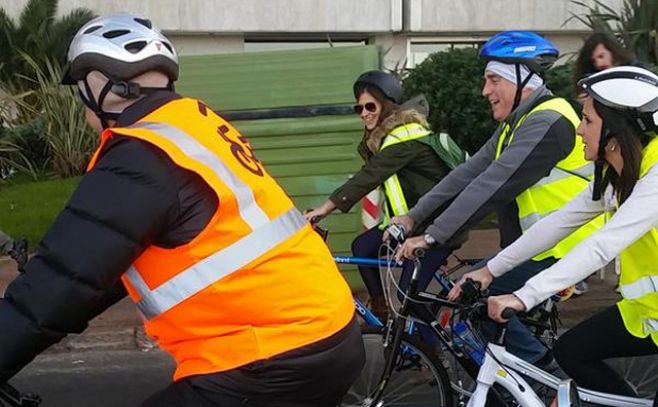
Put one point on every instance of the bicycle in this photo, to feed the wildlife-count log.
(502, 368)
(419, 375)
(403, 354)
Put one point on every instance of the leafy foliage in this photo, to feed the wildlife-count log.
(636, 25)
(69, 141)
(452, 82)
(36, 33)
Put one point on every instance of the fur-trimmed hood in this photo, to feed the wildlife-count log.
(413, 111)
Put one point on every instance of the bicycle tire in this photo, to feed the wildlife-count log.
(420, 380)
(641, 373)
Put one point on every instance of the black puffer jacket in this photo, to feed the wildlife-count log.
(134, 197)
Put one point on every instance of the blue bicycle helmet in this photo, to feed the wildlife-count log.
(521, 47)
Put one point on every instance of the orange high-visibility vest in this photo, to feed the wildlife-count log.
(257, 281)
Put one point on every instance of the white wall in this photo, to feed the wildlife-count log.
(205, 44)
(219, 26)
(494, 15)
(234, 16)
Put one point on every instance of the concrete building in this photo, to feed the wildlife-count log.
(407, 30)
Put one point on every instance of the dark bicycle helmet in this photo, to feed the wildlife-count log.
(625, 95)
(387, 83)
(521, 47)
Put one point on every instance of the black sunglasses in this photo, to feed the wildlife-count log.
(370, 106)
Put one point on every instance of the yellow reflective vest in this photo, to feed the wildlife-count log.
(566, 180)
(397, 202)
(638, 281)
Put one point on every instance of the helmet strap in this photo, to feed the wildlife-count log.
(520, 84)
(124, 89)
(89, 101)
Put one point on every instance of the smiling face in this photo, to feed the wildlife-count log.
(500, 93)
(590, 129)
(370, 109)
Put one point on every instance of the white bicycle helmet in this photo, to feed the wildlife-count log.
(121, 46)
(630, 90)
(624, 95)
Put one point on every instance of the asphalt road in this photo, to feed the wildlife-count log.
(96, 378)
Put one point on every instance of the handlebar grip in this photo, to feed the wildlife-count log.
(508, 313)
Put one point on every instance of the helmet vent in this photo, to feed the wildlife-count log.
(145, 22)
(115, 33)
(92, 29)
(135, 47)
(169, 47)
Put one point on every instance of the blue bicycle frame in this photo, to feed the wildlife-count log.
(366, 314)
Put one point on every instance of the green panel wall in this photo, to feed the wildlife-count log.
(309, 157)
(257, 80)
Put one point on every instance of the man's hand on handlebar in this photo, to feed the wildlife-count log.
(498, 304)
(482, 276)
(410, 248)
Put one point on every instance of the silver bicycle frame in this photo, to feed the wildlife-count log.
(508, 372)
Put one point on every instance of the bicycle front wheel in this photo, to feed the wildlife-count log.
(418, 378)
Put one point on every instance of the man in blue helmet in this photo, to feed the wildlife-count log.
(532, 165)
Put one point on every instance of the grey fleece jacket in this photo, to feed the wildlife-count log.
(483, 185)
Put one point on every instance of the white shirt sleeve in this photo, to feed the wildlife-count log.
(634, 218)
(546, 233)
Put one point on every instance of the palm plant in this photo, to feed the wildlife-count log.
(69, 141)
(37, 33)
(636, 25)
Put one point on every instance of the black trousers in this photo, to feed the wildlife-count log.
(580, 352)
(317, 375)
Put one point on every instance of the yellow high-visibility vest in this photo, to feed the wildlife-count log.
(638, 280)
(566, 180)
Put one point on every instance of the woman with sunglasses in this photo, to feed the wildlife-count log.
(402, 156)
(620, 120)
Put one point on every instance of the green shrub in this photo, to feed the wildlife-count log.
(452, 82)
(560, 81)
(69, 140)
(30, 141)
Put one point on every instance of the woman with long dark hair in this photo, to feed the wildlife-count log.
(403, 157)
(600, 51)
(620, 117)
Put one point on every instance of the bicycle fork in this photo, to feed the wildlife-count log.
(393, 348)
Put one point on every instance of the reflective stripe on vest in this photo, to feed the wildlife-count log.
(650, 326)
(212, 269)
(566, 180)
(556, 174)
(638, 280)
(256, 281)
(250, 212)
(392, 187)
(640, 288)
